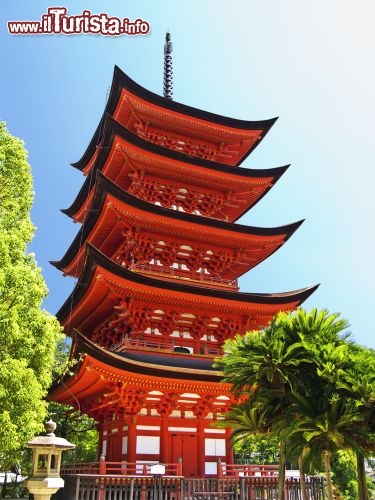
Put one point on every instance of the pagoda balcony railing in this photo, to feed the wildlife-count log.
(171, 469)
(119, 468)
(148, 345)
(193, 278)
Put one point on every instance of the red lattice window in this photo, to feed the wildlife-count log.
(180, 143)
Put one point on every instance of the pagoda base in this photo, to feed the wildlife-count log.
(193, 442)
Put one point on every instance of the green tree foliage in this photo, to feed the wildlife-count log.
(77, 428)
(344, 473)
(305, 382)
(28, 335)
(257, 449)
(72, 425)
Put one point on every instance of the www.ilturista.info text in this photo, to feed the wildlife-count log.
(57, 22)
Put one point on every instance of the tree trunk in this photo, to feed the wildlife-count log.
(302, 478)
(4, 487)
(362, 479)
(327, 467)
(282, 463)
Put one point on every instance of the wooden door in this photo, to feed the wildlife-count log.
(186, 447)
(114, 448)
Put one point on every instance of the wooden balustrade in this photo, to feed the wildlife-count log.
(119, 468)
(164, 347)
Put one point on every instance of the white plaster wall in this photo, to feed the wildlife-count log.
(215, 447)
(210, 467)
(124, 445)
(183, 429)
(148, 444)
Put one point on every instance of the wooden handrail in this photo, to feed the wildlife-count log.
(119, 468)
(245, 470)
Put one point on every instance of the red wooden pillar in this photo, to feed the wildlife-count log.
(219, 468)
(102, 471)
(201, 447)
(100, 429)
(132, 440)
(102, 465)
(164, 455)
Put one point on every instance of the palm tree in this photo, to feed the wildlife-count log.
(264, 366)
(257, 417)
(326, 426)
(344, 380)
(358, 382)
(276, 366)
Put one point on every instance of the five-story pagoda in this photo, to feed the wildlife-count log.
(157, 259)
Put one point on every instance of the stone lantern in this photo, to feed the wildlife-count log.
(45, 479)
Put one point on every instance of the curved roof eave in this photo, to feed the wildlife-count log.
(111, 129)
(122, 81)
(177, 368)
(104, 186)
(141, 362)
(94, 259)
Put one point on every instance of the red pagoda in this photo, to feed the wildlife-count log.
(157, 259)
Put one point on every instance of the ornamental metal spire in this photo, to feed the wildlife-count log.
(168, 68)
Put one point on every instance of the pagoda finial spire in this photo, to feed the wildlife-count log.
(168, 68)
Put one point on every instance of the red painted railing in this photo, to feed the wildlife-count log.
(241, 470)
(193, 277)
(120, 468)
(144, 344)
(171, 469)
(163, 346)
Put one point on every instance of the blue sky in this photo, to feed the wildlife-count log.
(309, 63)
